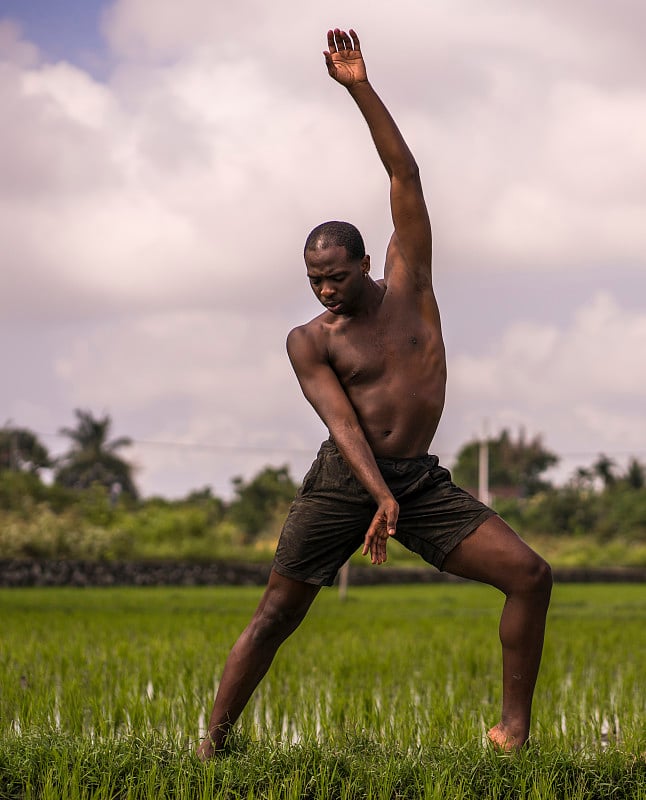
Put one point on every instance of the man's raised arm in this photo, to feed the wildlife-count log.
(345, 64)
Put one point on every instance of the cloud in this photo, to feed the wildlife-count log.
(142, 191)
(204, 383)
(583, 385)
(217, 387)
(13, 48)
(153, 190)
(161, 212)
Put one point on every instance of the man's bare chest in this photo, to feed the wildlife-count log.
(388, 347)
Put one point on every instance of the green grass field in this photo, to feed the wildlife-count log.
(104, 693)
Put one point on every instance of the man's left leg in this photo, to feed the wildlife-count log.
(494, 554)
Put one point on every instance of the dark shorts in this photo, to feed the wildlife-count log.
(331, 513)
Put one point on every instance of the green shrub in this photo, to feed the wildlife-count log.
(171, 532)
(618, 512)
(46, 535)
(22, 491)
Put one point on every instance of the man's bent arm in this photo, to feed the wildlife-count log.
(410, 215)
(322, 389)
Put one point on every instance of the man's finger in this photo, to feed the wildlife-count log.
(347, 41)
(338, 39)
(391, 525)
(369, 538)
(356, 45)
(330, 42)
(368, 543)
(378, 552)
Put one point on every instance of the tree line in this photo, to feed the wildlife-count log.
(97, 481)
(91, 458)
(93, 487)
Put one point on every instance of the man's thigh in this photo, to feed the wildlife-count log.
(436, 515)
(318, 537)
(496, 555)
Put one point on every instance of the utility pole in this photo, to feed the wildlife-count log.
(483, 467)
(344, 574)
(14, 463)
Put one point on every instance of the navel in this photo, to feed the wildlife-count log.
(413, 339)
(386, 434)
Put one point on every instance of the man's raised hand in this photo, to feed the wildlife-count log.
(343, 58)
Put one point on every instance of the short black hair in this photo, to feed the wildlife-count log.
(341, 234)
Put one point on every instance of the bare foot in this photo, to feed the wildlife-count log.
(205, 752)
(503, 741)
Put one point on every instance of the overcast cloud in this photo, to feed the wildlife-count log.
(152, 215)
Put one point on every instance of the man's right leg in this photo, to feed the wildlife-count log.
(280, 611)
(494, 554)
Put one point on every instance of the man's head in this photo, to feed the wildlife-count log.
(337, 266)
(332, 233)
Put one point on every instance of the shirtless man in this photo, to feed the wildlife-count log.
(373, 366)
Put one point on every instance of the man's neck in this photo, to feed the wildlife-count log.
(371, 298)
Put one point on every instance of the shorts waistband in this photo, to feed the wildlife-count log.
(329, 445)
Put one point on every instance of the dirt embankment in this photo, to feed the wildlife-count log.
(27, 572)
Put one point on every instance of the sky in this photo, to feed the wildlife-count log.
(161, 164)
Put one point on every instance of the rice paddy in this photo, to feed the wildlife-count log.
(105, 692)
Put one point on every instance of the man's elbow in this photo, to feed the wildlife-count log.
(407, 173)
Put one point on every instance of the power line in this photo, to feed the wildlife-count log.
(199, 445)
(228, 448)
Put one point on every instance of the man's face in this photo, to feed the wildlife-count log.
(337, 281)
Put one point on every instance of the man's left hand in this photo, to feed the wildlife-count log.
(382, 527)
(343, 58)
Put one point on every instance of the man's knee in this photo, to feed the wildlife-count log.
(275, 621)
(534, 575)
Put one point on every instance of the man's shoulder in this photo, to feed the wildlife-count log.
(314, 327)
(311, 335)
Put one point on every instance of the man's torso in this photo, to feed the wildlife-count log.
(392, 366)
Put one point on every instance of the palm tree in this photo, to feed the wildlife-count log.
(22, 451)
(92, 457)
(604, 468)
(635, 475)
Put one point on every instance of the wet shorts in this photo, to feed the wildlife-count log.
(332, 512)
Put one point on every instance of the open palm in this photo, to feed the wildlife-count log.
(343, 58)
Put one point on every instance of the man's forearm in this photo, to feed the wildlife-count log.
(357, 453)
(391, 146)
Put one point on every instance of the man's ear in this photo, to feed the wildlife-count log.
(365, 265)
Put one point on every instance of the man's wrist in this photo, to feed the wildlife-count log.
(359, 86)
(385, 496)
